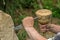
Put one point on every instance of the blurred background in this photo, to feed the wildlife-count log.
(19, 9)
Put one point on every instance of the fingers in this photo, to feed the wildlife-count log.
(44, 28)
(28, 21)
(28, 18)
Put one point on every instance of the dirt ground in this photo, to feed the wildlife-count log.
(56, 21)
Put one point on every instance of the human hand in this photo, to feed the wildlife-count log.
(43, 28)
(54, 28)
(28, 22)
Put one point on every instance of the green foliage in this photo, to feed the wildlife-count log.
(26, 3)
(18, 20)
(22, 35)
(55, 10)
(16, 9)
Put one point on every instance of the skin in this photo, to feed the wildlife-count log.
(54, 28)
(28, 23)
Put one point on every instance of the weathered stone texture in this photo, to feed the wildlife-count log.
(6, 27)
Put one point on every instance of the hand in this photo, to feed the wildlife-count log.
(28, 22)
(54, 28)
(43, 28)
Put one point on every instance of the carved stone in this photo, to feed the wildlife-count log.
(44, 18)
(6, 27)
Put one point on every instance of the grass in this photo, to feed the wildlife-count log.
(22, 35)
(15, 8)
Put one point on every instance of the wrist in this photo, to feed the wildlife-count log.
(50, 27)
(26, 27)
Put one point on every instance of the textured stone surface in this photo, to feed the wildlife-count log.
(6, 27)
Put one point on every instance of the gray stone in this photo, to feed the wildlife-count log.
(6, 27)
